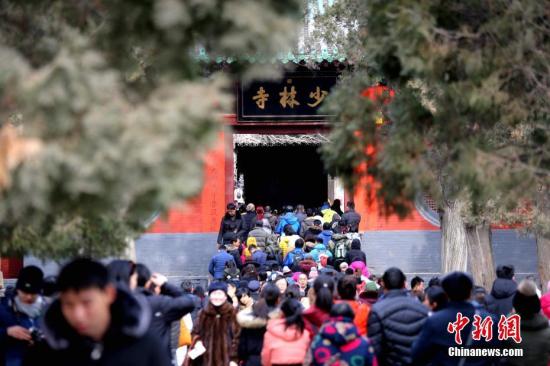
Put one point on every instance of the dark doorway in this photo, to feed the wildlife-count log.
(282, 175)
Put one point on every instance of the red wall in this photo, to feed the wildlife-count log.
(10, 267)
(373, 219)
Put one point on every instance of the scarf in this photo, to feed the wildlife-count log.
(31, 310)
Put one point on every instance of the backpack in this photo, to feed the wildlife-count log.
(274, 252)
(230, 272)
(339, 246)
(297, 258)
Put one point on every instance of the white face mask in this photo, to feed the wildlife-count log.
(218, 298)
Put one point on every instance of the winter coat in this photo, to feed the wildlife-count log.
(309, 223)
(355, 255)
(361, 312)
(339, 343)
(314, 318)
(394, 323)
(432, 345)
(545, 304)
(289, 259)
(248, 223)
(127, 342)
(288, 219)
(535, 334)
(13, 349)
(259, 257)
(318, 250)
(251, 339)
(329, 215)
(352, 219)
(229, 225)
(284, 346)
(261, 236)
(166, 308)
(499, 301)
(217, 264)
(312, 233)
(219, 332)
(326, 235)
(272, 219)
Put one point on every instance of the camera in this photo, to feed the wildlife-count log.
(36, 335)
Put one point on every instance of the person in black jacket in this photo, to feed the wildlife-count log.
(248, 221)
(352, 218)
(499, 301)
(253, 322)
(395, 321)
(355, 253)
(432, 346)
(168, 303)
(93, 322)
(231, 225)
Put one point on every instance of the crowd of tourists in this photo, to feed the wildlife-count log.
(288, 288)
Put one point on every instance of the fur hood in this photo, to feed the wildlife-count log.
(247, 319)
(130, 317)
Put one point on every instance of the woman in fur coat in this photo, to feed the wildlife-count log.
(217, 329)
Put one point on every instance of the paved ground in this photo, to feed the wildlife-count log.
(182, 256)
(416, 252)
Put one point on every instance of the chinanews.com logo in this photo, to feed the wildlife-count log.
(482, 328)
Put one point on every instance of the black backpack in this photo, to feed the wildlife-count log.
(296, 261)
(231, 272)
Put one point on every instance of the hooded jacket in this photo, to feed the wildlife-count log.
(126, 342)
(326, 235)
(288, 219)
(499, 301)
(312, 233)
(318, 250)
(535, 343)
(251, 339)
(284, 345)
(395, 321)
(339, 343)
(355, 254)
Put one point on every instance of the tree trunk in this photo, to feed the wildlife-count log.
(454, 250)
(480, 254)
(543, 254)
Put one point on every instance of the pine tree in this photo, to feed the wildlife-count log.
(469, 122)
(109, 106)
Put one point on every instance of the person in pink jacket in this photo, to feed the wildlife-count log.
(286, 341)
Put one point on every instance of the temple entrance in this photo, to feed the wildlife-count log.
(282, 175)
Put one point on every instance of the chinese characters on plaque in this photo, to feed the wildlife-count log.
(298, 96)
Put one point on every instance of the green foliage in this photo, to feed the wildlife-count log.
(470, 118)
(122, 106)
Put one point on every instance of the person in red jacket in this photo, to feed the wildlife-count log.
(347, 286)
(286, 341)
